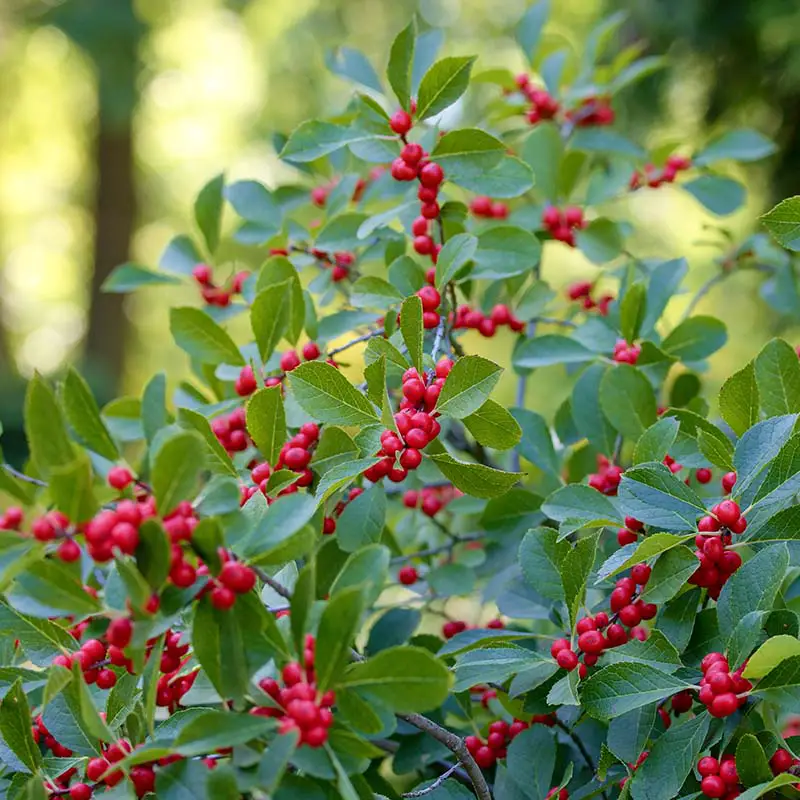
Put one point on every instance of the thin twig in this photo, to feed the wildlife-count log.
(363, 338)
(433, 551)
(22, 476)
(272, 583)
(456, 745)
(702, 292)
(435, 785)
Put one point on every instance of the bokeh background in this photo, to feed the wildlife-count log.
(113, 113)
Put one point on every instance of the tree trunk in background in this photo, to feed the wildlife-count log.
(115, 214)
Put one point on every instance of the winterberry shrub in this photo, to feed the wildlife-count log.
(329, 563)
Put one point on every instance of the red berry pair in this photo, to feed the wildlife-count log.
(231, 431)
(483, 206)
(625, 353)
(430, 499)
(234, 579)
(629, 534)
(561, 224)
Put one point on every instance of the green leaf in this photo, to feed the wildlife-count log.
(199, 336)
(528, 33)
(352, 64)
(493, 426)
(184, 780)
(751, 762)
(127, 277)
(50, 588)
(632, 312)
(586, 410)
(628, 733)
(335, 447)
(372, 292)
(627, 400)
(324, 393)
(279, 269)
(575, 569)
(468, 386)
(41, 639)
(154, 406)
(619, 688)
(340, 233)
(739, 145)
(338, 626)
(677, 619)
(543, 151)
(367, 568)
(443, 84)
(537, 442)
(412, 330)
(71, 489)
(401, 60)
(696, 338)
(283, 532)
(460, 152)
(176, 468)
(783, 222)
(756, 449)
(361, 523)
(770, 654)
(652, 494)
(739, 398)
(153, 553)
(269, 317)
(266, 422)
(777, 375)
(476, 480)
(44, 428)
(208, 211)
(219, 460)
(505, 251)
(670, 573)
(600, 241)
(781, 685)
(635, 553)
(671, 760)
(216, 729)
(252, 201)
(406, 679)
(606, 141)
(15, 726)
(83, 415)
(544, 351)
(580, 503)
(456, 253)
(530, 761)
(511, 177)
(314, 139)
(656, 441)
(779, 781)
(180, 257)
(657, 651)
(721, 196)
(753, 587)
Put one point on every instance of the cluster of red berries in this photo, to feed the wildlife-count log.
(231, 431)
(295, 456)
(473, 318)
(652, 177)
(607, 477)
(234, 579)
(561, 224)
(413, 164)
(172, 686)
(431, 299)
(633, 767)
(721, 690)
(719, 779)
(329, 523)
(543, 104)
(43, 737)
(625, 353)
(629, 534)
(501, 734)
(591, 111)
(628, 609)
(92, 660)
(215, 295)
(582, 290)
(482, 206)
(716, 563)
(300, 706)
(431, 499)
(101, 770)
(415, 422)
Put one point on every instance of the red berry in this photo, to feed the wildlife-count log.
(80, 791)
(119, 478)
(619, 598)
(202, 274)
(430, 298)
(68, 551)
(591, 642)
(431, 175)
(237, 577)
(713, 786)
(728, 512)
(567, 659)
(419, 227)
(410, 459)
(246, 383)
(728, 771)
(624, 536)
(119, 632)
(585, 624)
(106, 679)
(95, 768)
(411, 153)
(781, 761)
(481, 206)
(641, 574)
(703, 475)
(329, 526)
(708, 524)
(724, 705)
(558, 645)
(629, 615)
(708, 766)
(310, 351)
(682, 702)
(728, 482)
(289, 361)
(408, 576)
(401, 122)
(296, 458)
(740, 526)
(423, 245)
(222, 598)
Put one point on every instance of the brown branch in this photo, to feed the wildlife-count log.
(272, 583)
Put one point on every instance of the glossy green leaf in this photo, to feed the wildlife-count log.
(443, 84)
(202, 338)
(325, 394)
